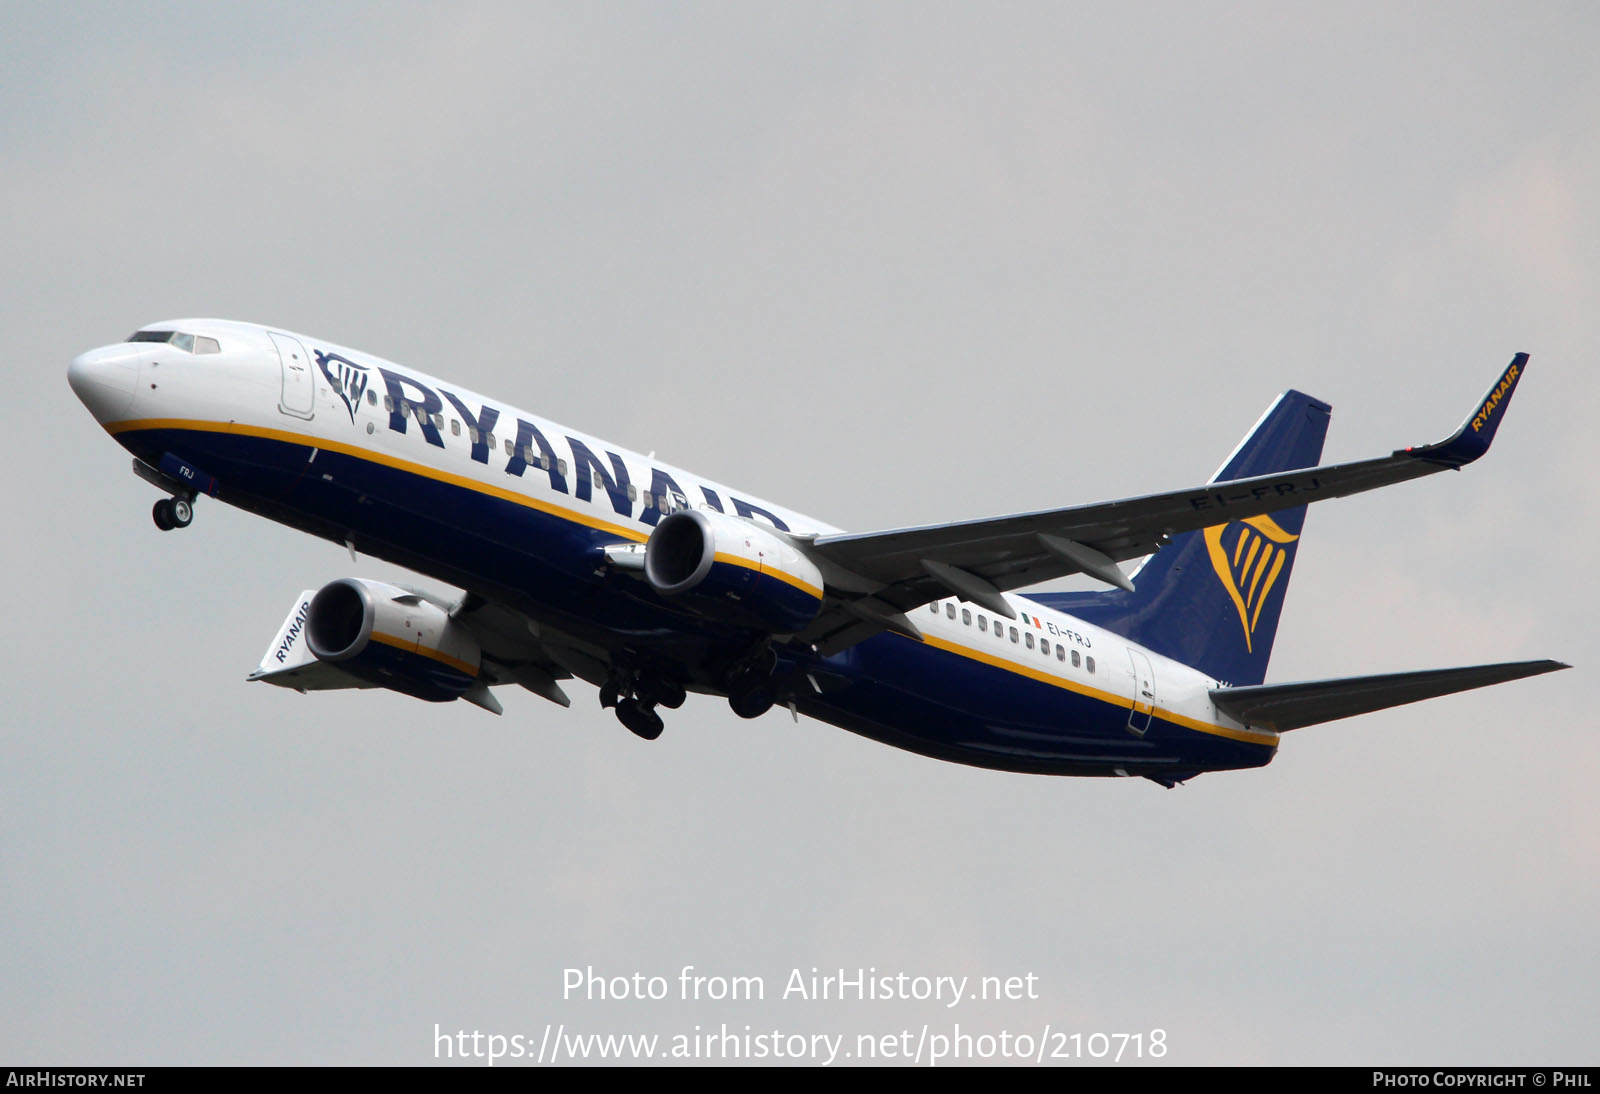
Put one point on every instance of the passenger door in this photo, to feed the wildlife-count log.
(299, 385)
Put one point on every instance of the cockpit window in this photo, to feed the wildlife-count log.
(189, 343)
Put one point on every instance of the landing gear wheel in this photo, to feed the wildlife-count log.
(753, 703)
(182, 512)
(609, 694)
(162, 515)
(654, 691)
(640, 719)
(755, 672)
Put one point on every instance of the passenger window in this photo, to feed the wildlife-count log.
(455, 428)
(1029, 638)
(1061, 653)
(950, 609)
(1013, 635)
(561, 468)
(966, 618)
(1044, 647)
(1090, 664)
(388, 403)
(1077, 662)
(372, 397)
(511, 449)
(983, 623)
(934, 607)
(488, 439)
(633, 494)
(438, 421)
(202, 344)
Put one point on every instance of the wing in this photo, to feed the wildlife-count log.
(510, 650)
(876, 577)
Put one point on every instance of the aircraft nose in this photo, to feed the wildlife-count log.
(104, 380)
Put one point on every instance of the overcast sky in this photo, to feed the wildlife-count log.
(883, 263)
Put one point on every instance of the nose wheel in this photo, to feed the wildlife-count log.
(170, 513)
(175, 510)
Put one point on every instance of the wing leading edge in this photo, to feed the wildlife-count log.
(875, 577)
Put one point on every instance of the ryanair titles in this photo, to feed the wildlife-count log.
(292, 634)
(1492, 403)
(524, 446)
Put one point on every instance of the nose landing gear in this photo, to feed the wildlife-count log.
(183, 486)
(170, 513)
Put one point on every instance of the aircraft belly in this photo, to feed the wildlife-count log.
(530, 559)
(974, 712)
(960, 707)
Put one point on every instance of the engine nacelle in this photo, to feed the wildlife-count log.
(391, 637)
(733, 569)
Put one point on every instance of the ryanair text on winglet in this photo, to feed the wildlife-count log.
(1492, 403)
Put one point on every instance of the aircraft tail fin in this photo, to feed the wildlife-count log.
(1211, 598)
(1283, 707)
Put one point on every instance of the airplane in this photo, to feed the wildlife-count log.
(579, 559)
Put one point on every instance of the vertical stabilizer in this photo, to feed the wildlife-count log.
(1211, 598)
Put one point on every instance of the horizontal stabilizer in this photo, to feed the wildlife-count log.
(1283, 707)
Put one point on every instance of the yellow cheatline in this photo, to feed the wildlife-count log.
(287, 436)
(410, 646)
(1248, 736)
(756, 567)
(383, 459)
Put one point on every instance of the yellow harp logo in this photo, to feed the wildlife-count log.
(1248, 555)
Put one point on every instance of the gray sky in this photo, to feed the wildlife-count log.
(888, 264)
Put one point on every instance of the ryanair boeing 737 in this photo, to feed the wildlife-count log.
(580, 559)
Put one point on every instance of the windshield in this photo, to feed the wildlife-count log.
(189, 343)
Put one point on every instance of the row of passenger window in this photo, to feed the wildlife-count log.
(1025, 637)
(475, 435)
(664, 502)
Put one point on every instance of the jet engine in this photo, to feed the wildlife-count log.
(734, 570)
(391, 637)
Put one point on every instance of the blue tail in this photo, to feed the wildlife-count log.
(1211, 599)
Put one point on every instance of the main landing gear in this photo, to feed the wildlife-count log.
(635, 697)
(753, 684)
(641, 718)
(170, 513)
(751, 687)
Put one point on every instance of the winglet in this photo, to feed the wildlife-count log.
(1473, 438)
